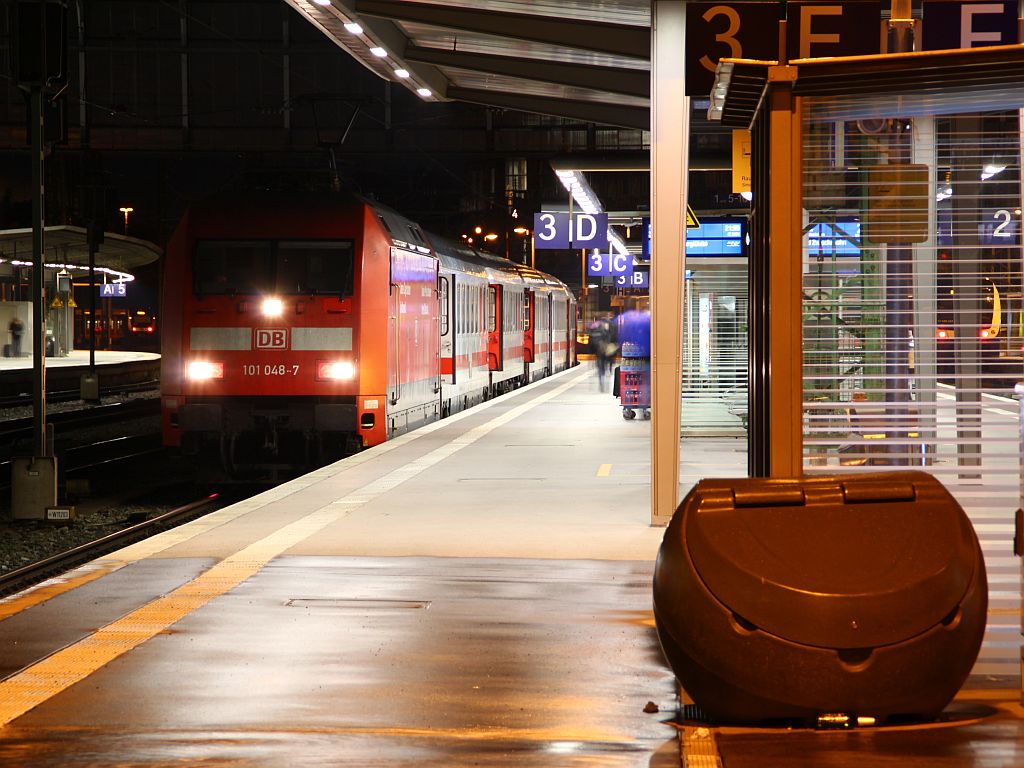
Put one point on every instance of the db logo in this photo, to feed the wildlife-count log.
(271, 338)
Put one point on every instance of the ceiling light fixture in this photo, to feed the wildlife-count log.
(577, 186)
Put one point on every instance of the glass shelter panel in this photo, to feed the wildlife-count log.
(714, 387)
(913, 319)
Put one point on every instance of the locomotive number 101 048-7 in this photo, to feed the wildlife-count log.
(253, 369)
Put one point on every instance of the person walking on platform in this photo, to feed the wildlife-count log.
(604, 345)
(16, 328)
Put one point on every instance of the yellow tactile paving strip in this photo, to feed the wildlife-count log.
(41, 681)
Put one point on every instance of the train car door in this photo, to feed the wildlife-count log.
(569, 333)
(529, 353)
(549, 332)
(447, 293)
(495, 347)
(394, 342)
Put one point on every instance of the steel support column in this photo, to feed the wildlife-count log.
(785, 292)
(670, 113)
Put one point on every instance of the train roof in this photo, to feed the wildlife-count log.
(404, 232)
(457, 255)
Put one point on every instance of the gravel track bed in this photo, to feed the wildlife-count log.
(112, 504)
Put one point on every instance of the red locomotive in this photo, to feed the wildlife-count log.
(297, 330)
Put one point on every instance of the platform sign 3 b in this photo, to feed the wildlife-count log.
(113, 290)
(559, 230)
(640, 279)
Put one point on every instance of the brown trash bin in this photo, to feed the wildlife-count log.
(788, 599)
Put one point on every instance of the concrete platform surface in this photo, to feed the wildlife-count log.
(477, 592)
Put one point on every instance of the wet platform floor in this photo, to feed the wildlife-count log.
(367, 662)
(476, 593)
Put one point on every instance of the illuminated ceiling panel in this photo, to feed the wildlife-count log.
(587, 61)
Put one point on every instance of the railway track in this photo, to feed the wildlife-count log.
(12, 430)
(24, 399)
(62, 562)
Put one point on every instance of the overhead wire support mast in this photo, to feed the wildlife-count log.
(40, 55)
(38, 299)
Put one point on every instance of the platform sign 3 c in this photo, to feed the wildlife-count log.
(609, 264)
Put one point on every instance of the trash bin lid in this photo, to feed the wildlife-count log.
(837, 562)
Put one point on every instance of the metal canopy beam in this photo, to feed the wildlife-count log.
(585, 111)
(926, 82)
(628, 82)
(601, 37)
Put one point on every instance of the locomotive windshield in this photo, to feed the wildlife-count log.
(273, 266)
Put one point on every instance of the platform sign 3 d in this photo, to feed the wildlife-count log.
(559, 230)
(113, 290)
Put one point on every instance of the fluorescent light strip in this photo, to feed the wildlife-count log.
(588, 202)
(119, 277)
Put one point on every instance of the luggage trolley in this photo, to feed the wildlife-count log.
(635, 386)
(635, 367)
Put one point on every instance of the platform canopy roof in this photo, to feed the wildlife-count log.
(65, 244)
(585, 60)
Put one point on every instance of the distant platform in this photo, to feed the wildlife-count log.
(114, 367)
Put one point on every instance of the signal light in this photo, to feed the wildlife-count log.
(335, 370)
(204, 370)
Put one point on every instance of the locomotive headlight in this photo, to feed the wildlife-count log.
(273, 307)
(204, 370)
(335, 370)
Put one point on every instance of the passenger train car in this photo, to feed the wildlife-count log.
(297, 330)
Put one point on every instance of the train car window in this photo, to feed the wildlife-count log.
(462, 308)
(313, 266)
(492, 309)
(231, 266)
(474, 309)
(442, 295)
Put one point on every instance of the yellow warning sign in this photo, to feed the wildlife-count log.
(691, 218)
(741, 176)
(56, 304)
(71, 302)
